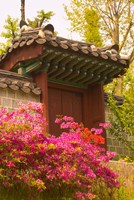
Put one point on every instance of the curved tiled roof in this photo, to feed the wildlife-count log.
(15, 82)
(65, 60)
(119, 99)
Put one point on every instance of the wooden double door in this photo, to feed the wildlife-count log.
(84, 105)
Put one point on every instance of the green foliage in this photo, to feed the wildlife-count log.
(122, 119)
(12, 28)
(3, 48)
(85, 21)
(40, 19)
(122, 85)
(115, 18)
(92, 25)
(125, 169)
(22, 193)
(123, 192)
(128, 82)
(11, 31)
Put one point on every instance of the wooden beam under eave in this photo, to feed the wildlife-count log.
(73, 75)
(87, 78)
(22, 54)
(65, 74)
(80, 63)
(58, 72)
(33, 67)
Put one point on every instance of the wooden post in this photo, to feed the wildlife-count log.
(96, 107)
(41, 81)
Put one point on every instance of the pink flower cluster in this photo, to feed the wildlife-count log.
(30, 156)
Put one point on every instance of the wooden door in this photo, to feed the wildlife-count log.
(64, 102)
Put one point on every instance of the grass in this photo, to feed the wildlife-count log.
(126, 174)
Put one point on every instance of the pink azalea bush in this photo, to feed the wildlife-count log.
(73, 163)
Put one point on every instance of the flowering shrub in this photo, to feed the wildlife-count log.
(73, 164)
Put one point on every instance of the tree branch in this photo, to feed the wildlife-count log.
(111, 14)
(131, 56)
(122, 10)
(101, 10)
(108, 26)
(115, 8)
(119, 6)
(125, 36)
(132, 35)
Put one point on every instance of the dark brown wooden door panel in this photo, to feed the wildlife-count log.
(78, 107)
(54, 105)
(67, 103)
(62, 102)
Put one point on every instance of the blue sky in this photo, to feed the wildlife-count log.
(12, 8)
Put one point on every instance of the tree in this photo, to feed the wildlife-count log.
(41, 19)
(85, 21)
(12, 28)
(122, 116)
(22, 10)
(122, 119)
(3, 47)
(120, 86)
(117, 26)
(11, 31)
(92, 25)
(116, 18)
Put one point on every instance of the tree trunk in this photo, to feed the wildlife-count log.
(22, 10)
(115, 32)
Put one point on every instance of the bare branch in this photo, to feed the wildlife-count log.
(125, 36)
(112, 6)
(115, 8)
(132, 35)
(119, 6)
(109, 27)
(97, 7)
(111, 14)
(122, 10)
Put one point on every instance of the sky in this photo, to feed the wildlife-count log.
(59, 20)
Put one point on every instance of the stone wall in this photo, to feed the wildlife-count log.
(113, 144)
(10, 98)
